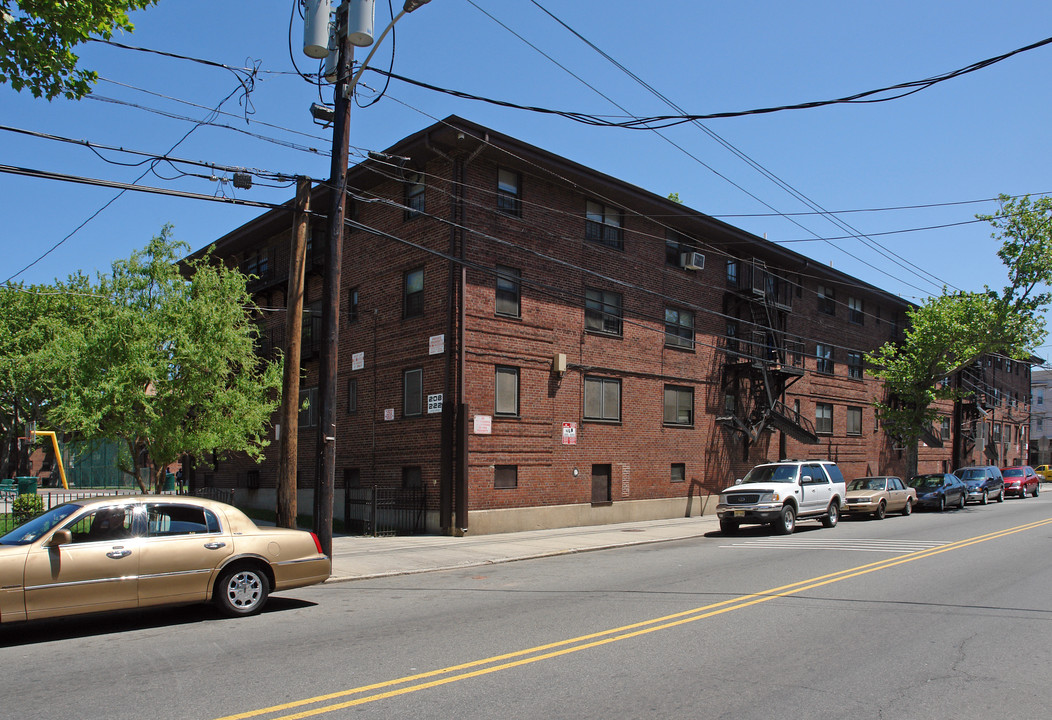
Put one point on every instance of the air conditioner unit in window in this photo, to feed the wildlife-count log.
(692, 261)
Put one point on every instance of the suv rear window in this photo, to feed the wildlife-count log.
(834, 473)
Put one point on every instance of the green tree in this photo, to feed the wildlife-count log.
(37, 38)
(948, 333)
(31, 318)
(167, 364)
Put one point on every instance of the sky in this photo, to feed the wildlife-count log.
(952, 147)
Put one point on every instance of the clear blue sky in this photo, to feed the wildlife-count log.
(966, 139)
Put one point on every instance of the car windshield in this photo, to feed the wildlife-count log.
(771, 473)
(971, 474)
(30, 531)
(1013, 472)
(926, 481)
(867, 484)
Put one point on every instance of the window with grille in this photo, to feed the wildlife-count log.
(602, 312)
(603, 224)
(509, 192)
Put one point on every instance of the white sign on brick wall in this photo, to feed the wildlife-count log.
(434, 403)
(358, 361)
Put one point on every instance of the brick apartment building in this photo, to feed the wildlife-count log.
(537, 344)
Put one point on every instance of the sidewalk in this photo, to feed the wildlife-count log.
(356, 558)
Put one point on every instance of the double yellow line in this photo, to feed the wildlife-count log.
(435, 678)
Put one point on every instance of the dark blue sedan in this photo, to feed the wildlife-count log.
(939, 491)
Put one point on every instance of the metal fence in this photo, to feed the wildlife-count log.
(384, 511)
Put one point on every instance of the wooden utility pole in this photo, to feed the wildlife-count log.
(289, 417)
(325, 477)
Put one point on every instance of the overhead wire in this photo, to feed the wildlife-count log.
(885, 252)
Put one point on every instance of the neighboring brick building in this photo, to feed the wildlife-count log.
(544, 345)
(1041, 417)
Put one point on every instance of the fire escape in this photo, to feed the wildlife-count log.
(760, 359)
(975, 409)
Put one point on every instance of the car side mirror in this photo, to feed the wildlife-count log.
(805, 480)
(61, 537)
(738, 481)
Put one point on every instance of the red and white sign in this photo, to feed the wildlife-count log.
(483, 425)
(569, 433)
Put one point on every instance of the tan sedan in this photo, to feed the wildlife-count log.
(878, 496)
(115, 553)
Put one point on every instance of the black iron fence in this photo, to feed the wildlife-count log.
(384, 511)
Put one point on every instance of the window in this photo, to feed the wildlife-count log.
(1041, 396)
(412, 477)
(505, 477)
(602, 312)
(601, 484)
(826, 300)
(414, 195)
(824, 419)
(352, 304)
(997, 433)
(944, 429)
(509, 192)
(824, 353)
(732, 273)
(603, 224)
(310, 332)
(255, 264)
(854, 421)
(308, 416)
(854, 310)
(352, 396)
(675, 245)
(679, 405)
(732, 335)
(678, 473)
(679, 328)
(413, 392)
(168, 520)
(854, 365)
(413, 304)
(602, 398)
(103, 525)
(508, 289)
(507, 391)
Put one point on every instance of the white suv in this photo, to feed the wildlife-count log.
(781, 492)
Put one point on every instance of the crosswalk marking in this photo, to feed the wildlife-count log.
(853, 545)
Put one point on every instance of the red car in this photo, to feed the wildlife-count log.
(1021, 480)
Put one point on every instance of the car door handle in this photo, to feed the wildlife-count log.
(215, 545)
(117, 553)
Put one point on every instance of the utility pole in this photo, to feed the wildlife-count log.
(289, 417)
(325, 477)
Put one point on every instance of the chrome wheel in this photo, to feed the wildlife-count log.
(242, 591)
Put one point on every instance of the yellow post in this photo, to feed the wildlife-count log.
(58, 455)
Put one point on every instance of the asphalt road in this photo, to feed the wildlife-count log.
(930, 616)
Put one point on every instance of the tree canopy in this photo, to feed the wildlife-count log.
(947, 333)
(158, 355)
(37, 38)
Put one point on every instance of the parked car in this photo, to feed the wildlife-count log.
(1020, 480)
(1044, 472)
(779, 493)
(939, 490)
(878, 496)
(983, 482)
(114, 553)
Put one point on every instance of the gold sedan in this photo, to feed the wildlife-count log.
(878, 496)
(115, 553)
